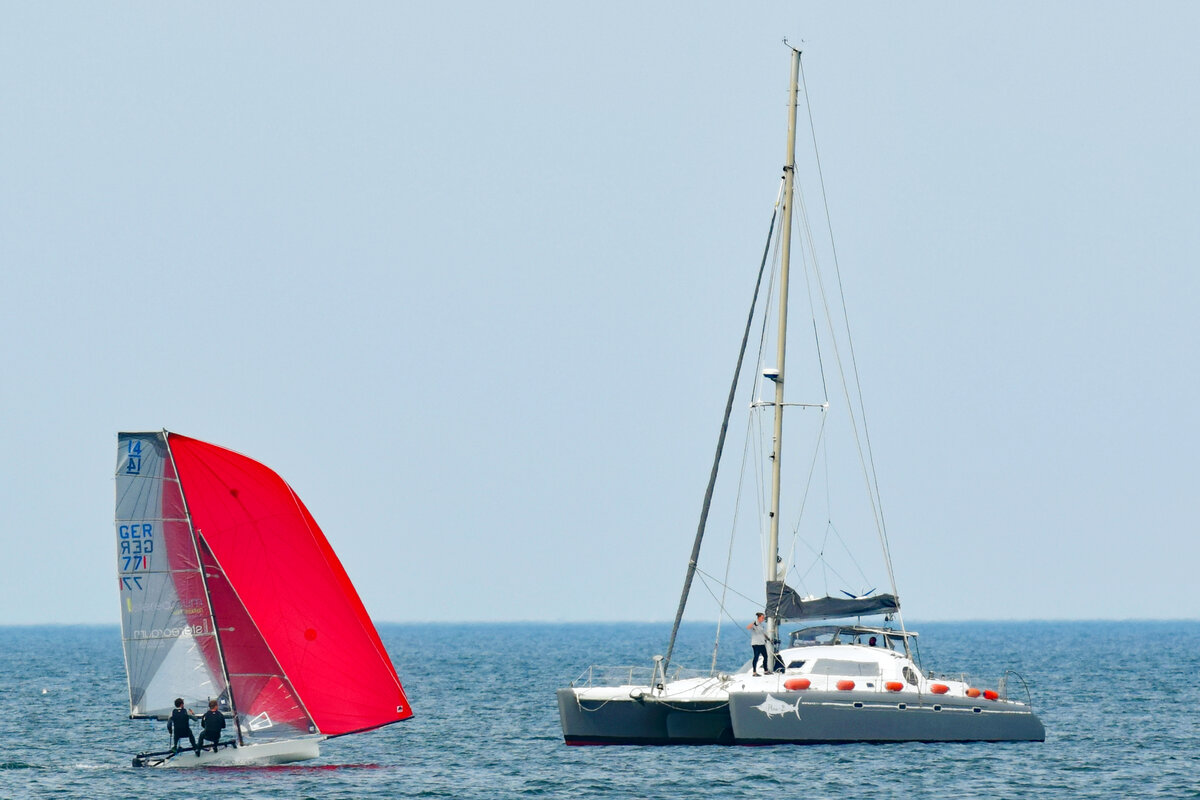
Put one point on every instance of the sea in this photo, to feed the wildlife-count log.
(1120, 702)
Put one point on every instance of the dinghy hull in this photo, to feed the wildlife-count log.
(267, 753)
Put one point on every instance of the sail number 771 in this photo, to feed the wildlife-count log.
(135, 544)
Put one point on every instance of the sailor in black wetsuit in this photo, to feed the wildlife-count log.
(211, 725)
(180, 725)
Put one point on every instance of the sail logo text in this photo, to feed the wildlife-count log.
(170, 633)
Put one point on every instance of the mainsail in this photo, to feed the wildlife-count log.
(784, 602)
(230, 591)
(166, 620)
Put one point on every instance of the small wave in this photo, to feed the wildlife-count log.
(294, 769)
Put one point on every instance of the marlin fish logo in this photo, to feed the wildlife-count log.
(773, 706)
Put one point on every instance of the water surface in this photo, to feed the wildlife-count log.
(1120, 701)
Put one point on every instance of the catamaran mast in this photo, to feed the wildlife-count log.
(789, 175)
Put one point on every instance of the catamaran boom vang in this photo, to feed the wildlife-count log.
(230, 592)
(843, 681)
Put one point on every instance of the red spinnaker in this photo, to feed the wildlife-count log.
(291, 585)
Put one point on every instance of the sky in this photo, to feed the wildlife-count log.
(471, 277)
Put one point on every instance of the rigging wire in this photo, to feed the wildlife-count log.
(756, 414)
(749, 440)
(812, 468)
(856, 412)
(704, 575)
(712, 478)
(865, 459)
(737, 507)
(873, 480)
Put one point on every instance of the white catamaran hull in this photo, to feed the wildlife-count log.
(781, 716)
(264, 754)
(837, 717)
(853, 693)
(828, 694)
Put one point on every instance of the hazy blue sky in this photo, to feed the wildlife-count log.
(471, 277)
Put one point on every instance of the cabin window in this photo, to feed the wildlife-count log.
(837, 666)
(795, 664)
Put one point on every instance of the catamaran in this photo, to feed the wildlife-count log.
(230, 592)
(843, 681)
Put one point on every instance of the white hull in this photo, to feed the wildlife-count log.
(264, 754)
(766, 710)
(808, 717)
(827, 694)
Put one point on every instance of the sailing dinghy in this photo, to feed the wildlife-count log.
(230, 592)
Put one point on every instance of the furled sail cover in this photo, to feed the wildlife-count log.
(166, 624)
(784, 602)
(279, 575)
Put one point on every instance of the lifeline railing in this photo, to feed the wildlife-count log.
(633, 676)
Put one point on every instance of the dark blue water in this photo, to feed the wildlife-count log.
(1121, 704)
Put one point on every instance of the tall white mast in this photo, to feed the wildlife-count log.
(789, 175)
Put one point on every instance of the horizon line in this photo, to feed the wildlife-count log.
(964, 621)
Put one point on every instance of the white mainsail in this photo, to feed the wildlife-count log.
(166, 621)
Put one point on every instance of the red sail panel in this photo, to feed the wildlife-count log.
(291, 584)
(265, 698)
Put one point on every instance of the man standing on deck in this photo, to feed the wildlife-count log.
(211, 725)
(758, 643)
(180, 725)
